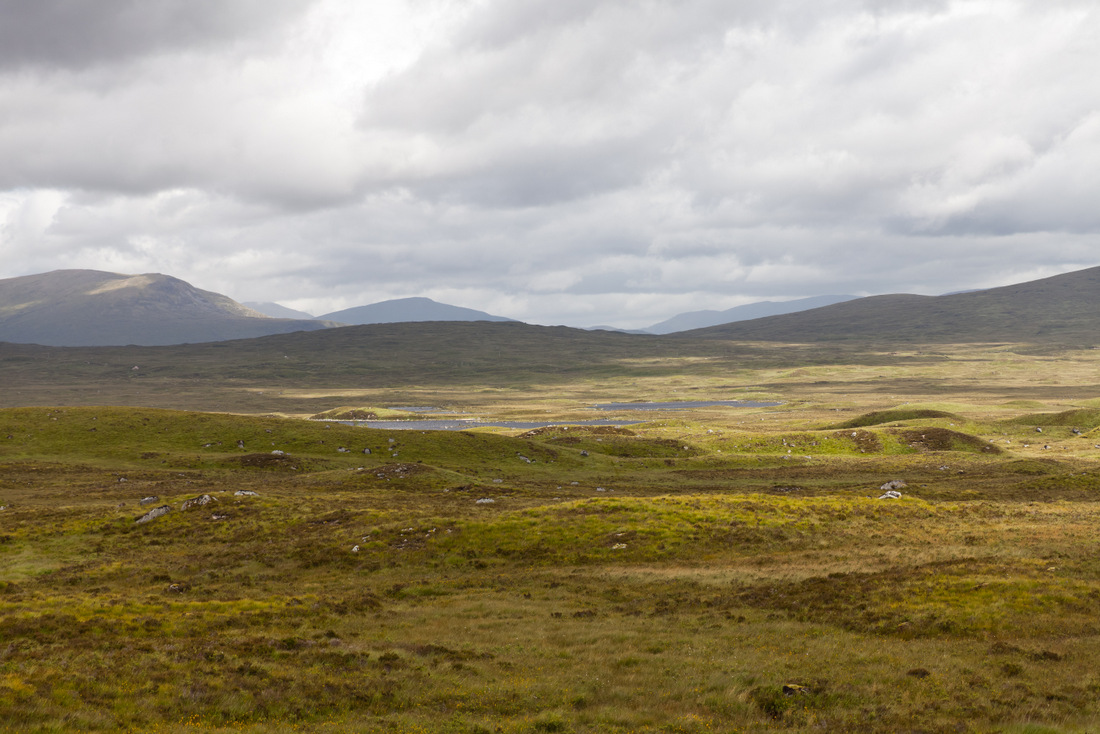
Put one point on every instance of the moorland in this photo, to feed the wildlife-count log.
(709, 570)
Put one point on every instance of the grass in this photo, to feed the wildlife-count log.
(738, 562)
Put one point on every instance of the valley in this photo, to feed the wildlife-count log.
(744, 562)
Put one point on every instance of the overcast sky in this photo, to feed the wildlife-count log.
(570, 162)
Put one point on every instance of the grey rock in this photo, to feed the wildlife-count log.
(148, 500)
(244, 493)
(197, 502)
(154, 513)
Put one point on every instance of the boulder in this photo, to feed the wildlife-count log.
(197, 502)
(154, 513)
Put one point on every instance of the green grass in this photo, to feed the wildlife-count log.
(713, 556)
(368, 592)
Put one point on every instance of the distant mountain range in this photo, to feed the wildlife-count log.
(401, 310)
(93, 308)
(1063, 309)
(276, 311)
(702, 319)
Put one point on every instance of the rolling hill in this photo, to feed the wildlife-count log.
(95, 308)
(703, 319)
(1063, 309)
(276, 310)
(400, 310)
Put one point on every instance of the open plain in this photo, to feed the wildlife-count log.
(710, 570)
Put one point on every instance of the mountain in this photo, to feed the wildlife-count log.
(94, 308)
(702, 319)
(1063, 309)
(408, 309)
(275, 310)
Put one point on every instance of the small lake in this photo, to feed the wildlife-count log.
(685, 405)
(461, 425)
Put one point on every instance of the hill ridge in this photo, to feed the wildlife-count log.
(98, 308)
(1059, 309)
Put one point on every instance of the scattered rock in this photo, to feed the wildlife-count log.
(154, 513)
(343, 450)
(355, 549)
(244, 493)
(366, 451)
(584, 453)
(485, 501)
(524, 458)
(197, 502)
(894, 484)
(277, 452)
(1038, 430)
(240, 444)
(890, 495)
(148, 500)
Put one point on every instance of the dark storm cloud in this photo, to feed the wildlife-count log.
(78, 33)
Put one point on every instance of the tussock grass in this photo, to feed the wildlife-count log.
(374, 592)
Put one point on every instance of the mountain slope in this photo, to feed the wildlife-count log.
(1063, 309)
(709, 317)
(94, 308)
(276, 310)
(408, 309)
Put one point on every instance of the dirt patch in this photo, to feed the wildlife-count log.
(267, 461)
(943, 439)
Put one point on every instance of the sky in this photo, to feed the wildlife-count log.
(573, 162)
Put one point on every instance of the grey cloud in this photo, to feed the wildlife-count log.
(564, 161)
(76, 33)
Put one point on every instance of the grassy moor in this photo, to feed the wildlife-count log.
(181, 550)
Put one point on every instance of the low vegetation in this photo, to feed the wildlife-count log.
(743, 564)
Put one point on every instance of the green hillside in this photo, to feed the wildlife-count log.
(1064, 309)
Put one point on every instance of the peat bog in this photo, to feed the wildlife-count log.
(710, 569)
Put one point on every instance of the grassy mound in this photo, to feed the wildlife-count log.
(943, 439)
(1083, 418)
(878, 417)
(363, 413)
